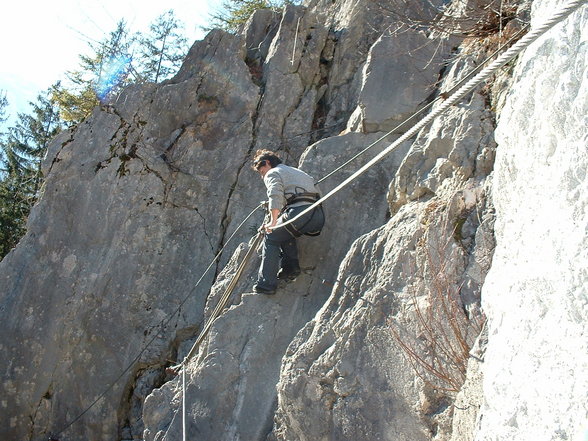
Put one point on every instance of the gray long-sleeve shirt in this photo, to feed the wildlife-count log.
(282, 181)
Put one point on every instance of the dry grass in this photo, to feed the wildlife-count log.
(439, 350)
(479, 18)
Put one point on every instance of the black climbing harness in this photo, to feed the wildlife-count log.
(307, 198)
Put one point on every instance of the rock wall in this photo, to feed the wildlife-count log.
(535, 381)
(116, 244)
(346, 375)
(377, 336)
(140, 197)
(340, 372)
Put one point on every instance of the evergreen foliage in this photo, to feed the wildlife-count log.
(119, 59)
(22, 150)
(77, 102)
(235, 13)
(93, 81)
(3, 105)
(162, 50)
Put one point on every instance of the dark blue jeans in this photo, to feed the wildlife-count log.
(279, 247)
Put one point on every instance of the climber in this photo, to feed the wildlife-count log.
(289, 191)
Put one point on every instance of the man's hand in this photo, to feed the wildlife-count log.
(270, 226)
(272, 223)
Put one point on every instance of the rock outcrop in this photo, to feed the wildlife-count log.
(535, 381)
(384, 335)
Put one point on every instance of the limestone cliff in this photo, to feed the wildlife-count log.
(535, 383)
(444, 300)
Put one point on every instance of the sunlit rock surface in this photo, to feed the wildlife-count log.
(535, 382)
(141, 196)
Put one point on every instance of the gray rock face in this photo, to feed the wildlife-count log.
(346, 373)
(139, 198)
(245, 360)
(460, 146)
(316, 397)
(373, 340)
(387, 97)
(338, 360)
(248, 342)
(116, 244)
(289, 111)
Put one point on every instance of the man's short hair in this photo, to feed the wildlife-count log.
(265, 155)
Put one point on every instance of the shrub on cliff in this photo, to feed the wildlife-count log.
(234, 13)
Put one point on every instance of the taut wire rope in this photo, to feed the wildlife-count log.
(513, 51)
(429, 105)
(183, 403)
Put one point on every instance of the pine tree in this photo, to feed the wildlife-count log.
(101, 75)
(23, 149)
(111, 65)
(3, 106)
(235, 13)
(75, 103)
(163, 49)
(14, 209)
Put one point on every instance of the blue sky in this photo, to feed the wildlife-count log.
(42, 39)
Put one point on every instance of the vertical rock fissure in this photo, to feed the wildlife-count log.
(64, 144)
(225, 219)
(142, 382)
(321, 109)
(33, 417)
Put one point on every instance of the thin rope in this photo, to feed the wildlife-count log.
(183, 403)
(518, 47)
(223, 300)
(295, 41)
(500, 20)
(164, 323)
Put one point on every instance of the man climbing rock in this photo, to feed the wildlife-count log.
(289, 191)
